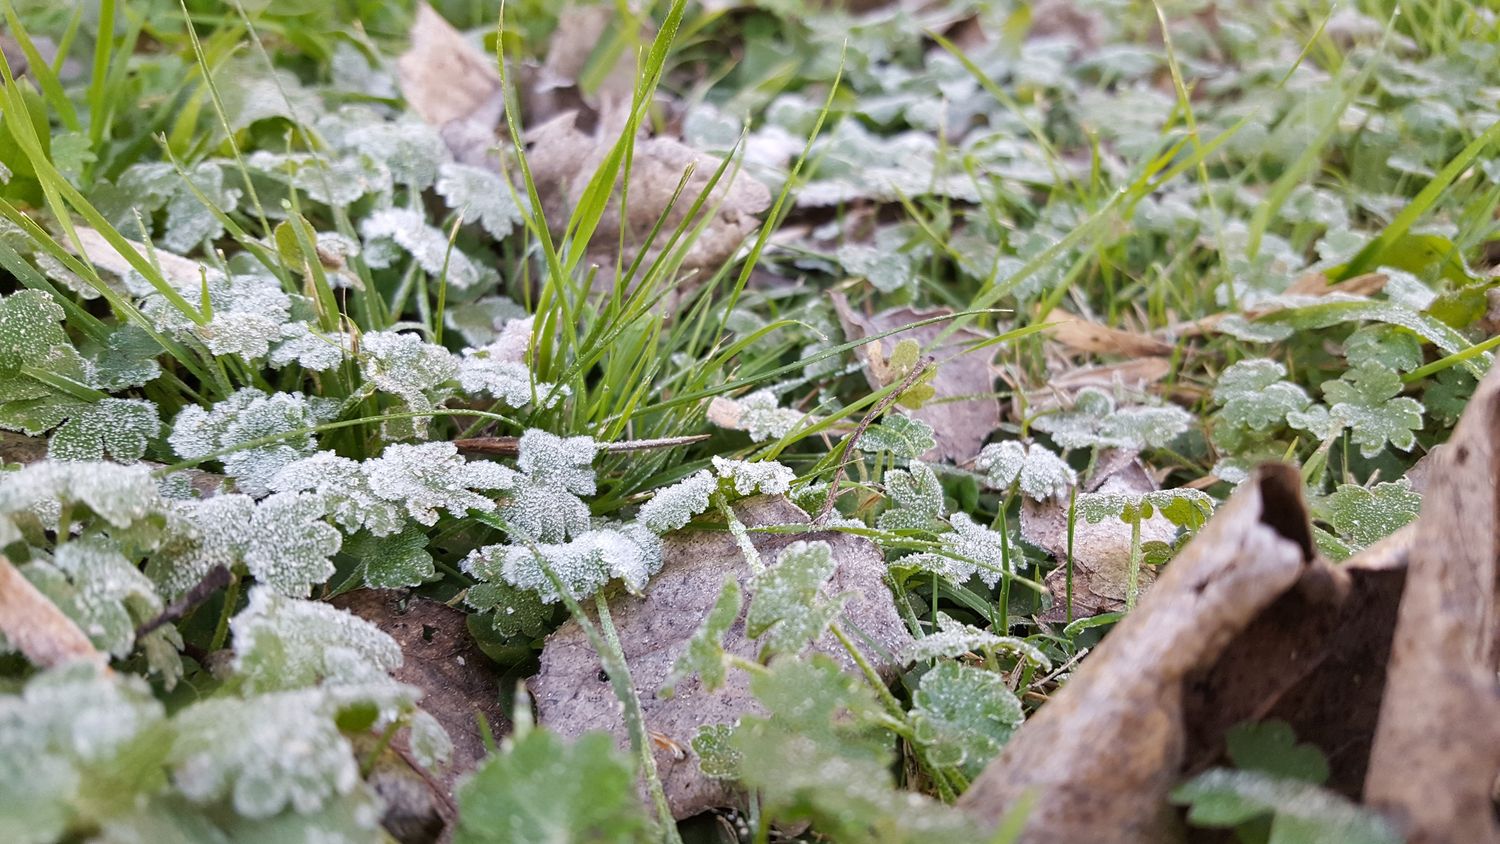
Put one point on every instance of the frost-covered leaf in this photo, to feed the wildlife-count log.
(427, 244)
(564, 462)
(483, 372)
(481, 195)
(263, 754)
(786, 610)
(427, 477)
(1040, 473)
(970, 549)
(249, 414)
(212, 532)
(1253, 395)
(764, 418)
(1448, 394)
(1096, 421)
(392, 562)
(344, 487)
(1368, 401)
(628, 552)
(127, 359)
(121, 495)
(117, 427)
(1185, 508)
(714, 746)
(313, 351)
(953, 639)
(962, 716)
(430, 744)
(512, 612)
(903, 436)
(540, 788)
(704, 653)
(1303, 813)
(405, 366)
(290, 544)
(887, 269)
(1384, 346)
(672, 507)
(29, 326)
(1367, 515)
(766, 477)
(282, 644)
(916, 498)
(103, 592)
(411, 150)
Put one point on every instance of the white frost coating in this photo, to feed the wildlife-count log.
(117, 427)
(481, 195)
(283, 643)
(499, 369)
(766, 476)
(953, 639)
(969, 549)
(211, 532)
(345, 489)
(429, 742)
(1095, 421)
(118, 494)
(248, 414)
(77, 711)
(290, 544)
(566, 463)
(1040, 473)
(313, 351)
(595, 557)
(673, 507)
(1254, 395)
(405, 366)
(111, 593)
(408, 229)
(433, 476)
(763, 418)
(411, 149)
(916, 498)
(285, 751)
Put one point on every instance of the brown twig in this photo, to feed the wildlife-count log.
(216, 579)
(511, 446)
(875, 412)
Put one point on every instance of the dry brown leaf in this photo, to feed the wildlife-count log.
(563, 160)
(574, 697)
(34, 625)
(1436, 755)
(1084, 335)
(964, 410)
(453, 86)
(1317, 284)
(1101, 550)
(179, 271)
(553, 89)
(1098, 760)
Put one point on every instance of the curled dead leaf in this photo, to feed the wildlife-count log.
(1085, 335)
(573, 696)
(34, 625)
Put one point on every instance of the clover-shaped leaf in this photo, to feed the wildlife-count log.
(962, 716)
(1367, 400)
(766, 477)
(704, 653)
(1303, 813)
(512, 612)
(250, 415)
(1367, 515)
(1253, 395)
(1096, 421)
(785, 606)
(916, 498)
(117, 427)
(1271, 747)
(717, 757)
(1384, 346)
(391, 562)
(903, 436)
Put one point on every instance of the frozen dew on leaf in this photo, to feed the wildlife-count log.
(763, 418)
(916, 498)
(786, 608)
(953, 639)
(628, 552)
(480, 195)
(1253, 395)
(281, 644)
(1368, 401)
(1038, 473)
(766, 477)
(409, 230)
(1367, 515)
(406, 366)
(1095, 420)
(672, 507)
(309, 349)
(905, 437)
(962, 715)
(246, 415)
(121, 495)
(427, 477)
(119, 428)
(290, 544)
(107, 595)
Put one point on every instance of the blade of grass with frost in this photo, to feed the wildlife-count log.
(1312, 152)
(250, 244)
(1369, 257)
(46, 78)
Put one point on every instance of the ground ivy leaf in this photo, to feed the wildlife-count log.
(249, 414)
(1304, 813)
(1367, 400)
(714, 746)
(282, 644)
(672, 507)
(905, 437)
(785, 606)
(539, 788)
(916, 498)
(1383, 346)
(704, 653)
(513, 612)
(1253, 395)
(481, 195)
(1039, 473)
(954, 639)
(290, 544)
(1095, 421)
(392, 562)
(962, 716)
(1368, 515)
(1271, 747)
(117, 427)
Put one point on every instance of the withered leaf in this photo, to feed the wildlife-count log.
(574, 697)
(1099, 759)
(963, 410)
(452, 85)
(33, 625)
(1085, 335)
(1436, 751)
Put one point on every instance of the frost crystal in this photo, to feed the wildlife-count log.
(246, 415)
(481, 195)
(288, 544)
(903, 436)
(963, 715)
(121, 495)
(785, 605)
(1041, 474)
(499, 369)
(628, 552)
(408, 229)
(299, 344)
(1368, 401)
(118, 427)
(916, 498)
(282, 644)
(673, 507)
(765, 476)
(763, 418)
(411, 149)
(93, 583)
